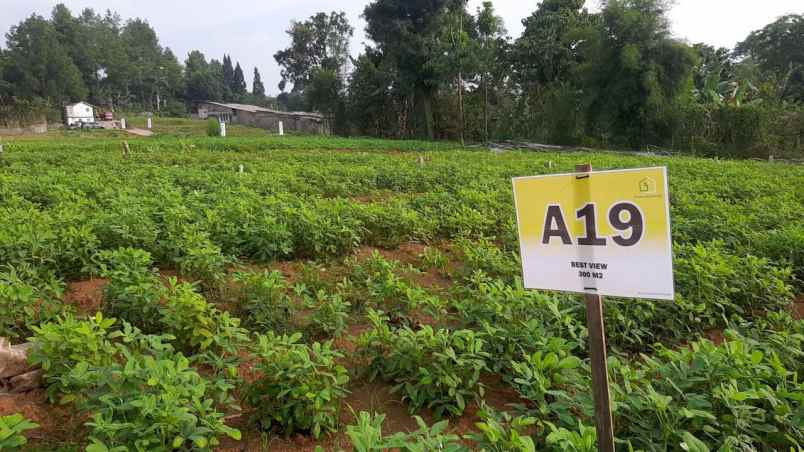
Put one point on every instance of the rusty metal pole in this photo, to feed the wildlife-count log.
(597, 353)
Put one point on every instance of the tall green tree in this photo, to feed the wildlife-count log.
(239, 89)
(38, 65)
(407, 32)
(257, 88)
(228, 78)
(492, 33)
(634, 72)
(202, 81)
(321, 41)
(778, 49)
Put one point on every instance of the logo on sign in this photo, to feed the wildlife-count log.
(647, 186)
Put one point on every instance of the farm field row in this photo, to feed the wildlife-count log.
(284, 293)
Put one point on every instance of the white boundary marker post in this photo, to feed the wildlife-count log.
(123, 123)
(281, 129)
(150, 124)
(223, 129)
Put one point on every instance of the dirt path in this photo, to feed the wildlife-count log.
(140, 132)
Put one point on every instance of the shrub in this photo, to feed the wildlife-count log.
(742, 394)
(300, 386)
(366, 436)
(11, 429)
(433, 259)
(501, 432)
(153, 402)
(197, 325)
(134, 288)
(263, 300)
(330, 315)
(197, 257)
(549, 378)
(434, 369)
(27, 299)
(60, 346)
(213, 127)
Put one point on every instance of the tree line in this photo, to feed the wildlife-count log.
(116, 64)
(435, 70)
(613, 78)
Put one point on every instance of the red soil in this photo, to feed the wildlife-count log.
(56, 423)
(86, 296)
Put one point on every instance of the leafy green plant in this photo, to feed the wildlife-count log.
(742, 393)
(197, 325)
(213, 127)
(26, 299)
(366, 436)
(299, 387)
(11, 429)
(62, 345)
(435, 369)
(560, 439)
(134, 289)
(264, 301)
(501, 432)
(197, 257)
(151, 401)
(433, 259)
(330, 315)
(550, 375)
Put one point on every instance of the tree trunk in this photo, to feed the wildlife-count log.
(424, 112)
(460, 107)
(485, 109)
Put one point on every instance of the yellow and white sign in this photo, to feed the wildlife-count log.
(604, 232)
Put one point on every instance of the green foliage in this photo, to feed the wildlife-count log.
(382, 287)
(11, 429)
(134, 288)
(62, 345)
(300, 386)
(264, 301)
(437, 369)
(141, 394)
(26, 299)
(741, 394)
(433, 259)
(501, 432)
(366, 436)
(560, 439)
(197, 325)
(153, 400)
(213, 127)
(330, 315)
(549, 378)
(198, 257)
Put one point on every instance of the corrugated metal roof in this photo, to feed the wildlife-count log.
(256, 109)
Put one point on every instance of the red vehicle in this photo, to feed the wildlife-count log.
(108, 116)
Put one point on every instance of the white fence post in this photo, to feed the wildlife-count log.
(281, 129)
(223, 129)
(123, 123)
(150, 124)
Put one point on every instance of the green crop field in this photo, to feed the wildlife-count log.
(284, 293)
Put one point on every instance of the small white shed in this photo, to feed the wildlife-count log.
(78, 113)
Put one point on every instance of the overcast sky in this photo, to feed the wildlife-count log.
(252, 31)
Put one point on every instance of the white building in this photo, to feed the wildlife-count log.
(78, 113)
